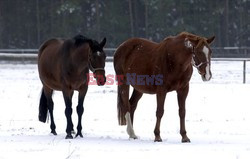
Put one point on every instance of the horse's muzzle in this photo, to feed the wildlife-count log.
(100, 80)
(206, 77)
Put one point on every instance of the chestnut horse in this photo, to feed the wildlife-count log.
(159, 68)
(64, 65)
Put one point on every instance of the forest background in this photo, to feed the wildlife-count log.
(27, 23)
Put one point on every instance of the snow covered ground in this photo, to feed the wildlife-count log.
(217, 121)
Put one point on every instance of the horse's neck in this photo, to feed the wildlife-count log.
(81, 59)
(174, 59)
(76, 60)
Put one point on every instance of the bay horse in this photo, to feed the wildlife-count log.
(63, 65)
(159, 68)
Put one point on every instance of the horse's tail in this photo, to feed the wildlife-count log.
(120, 107)
(43, 108)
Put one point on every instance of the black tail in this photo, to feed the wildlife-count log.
(43, 108)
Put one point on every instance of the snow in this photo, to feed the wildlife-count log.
(217, 119)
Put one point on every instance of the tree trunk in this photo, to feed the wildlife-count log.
(226, 16)
(51, 9)
(146, 18)
(1, 24)
(97, 18)
(136, 18)
(38, 22)
(131, 17)
(63, 21)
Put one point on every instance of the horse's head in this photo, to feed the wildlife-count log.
(201, 53)
(97, 61)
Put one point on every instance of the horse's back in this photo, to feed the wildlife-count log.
(48, 52)
(133, 43)
(51, 43)
(132, 49)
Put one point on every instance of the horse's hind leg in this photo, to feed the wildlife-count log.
(80, 109)
(136, 96)
(48, 93)
(124, 109)
(125, 98)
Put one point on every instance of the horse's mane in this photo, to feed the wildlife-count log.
(193, 37)
(80, 39)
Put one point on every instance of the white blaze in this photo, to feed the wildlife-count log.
(98, 53)
(206, 51)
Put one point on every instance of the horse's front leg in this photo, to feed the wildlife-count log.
(67, 95)
(80, 109)
(159, 113)
(182, 95)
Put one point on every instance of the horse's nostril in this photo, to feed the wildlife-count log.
(101, 80)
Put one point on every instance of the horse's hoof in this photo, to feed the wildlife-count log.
(79, 134)
(133, 137)
(185, 140)
(53, 132)
(158, 139)
(69, 136)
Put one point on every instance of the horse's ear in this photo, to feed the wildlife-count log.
(193, 40)
(102, 44)
(210, 40)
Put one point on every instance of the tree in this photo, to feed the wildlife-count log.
(27, 23)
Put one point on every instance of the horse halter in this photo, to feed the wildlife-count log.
(94, 69)
(194, 56)
(199, 65)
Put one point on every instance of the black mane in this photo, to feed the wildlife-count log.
(96, 46)
(80, 39)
